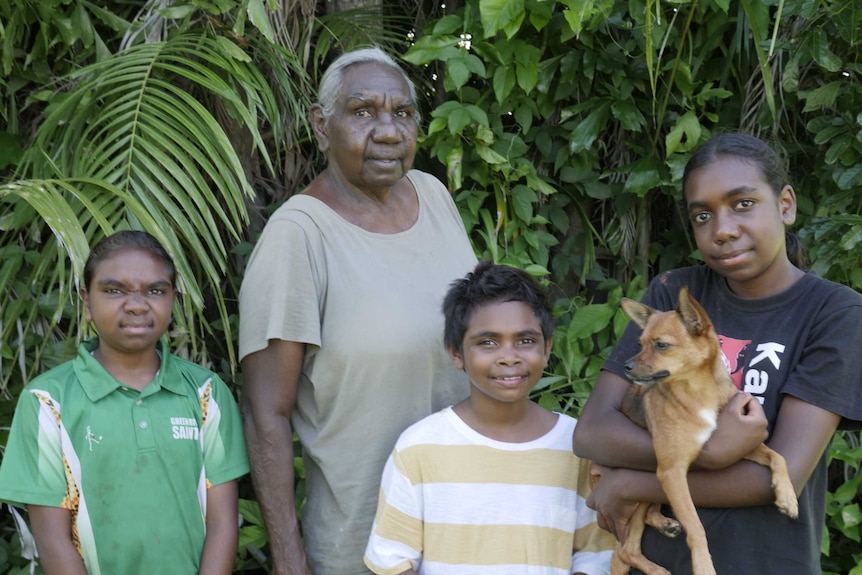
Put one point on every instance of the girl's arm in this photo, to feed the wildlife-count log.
(604, 434)
(52, 528)
(222, 526)
(802, 433)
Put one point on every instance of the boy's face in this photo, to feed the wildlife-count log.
(129, 300)
(504, 351)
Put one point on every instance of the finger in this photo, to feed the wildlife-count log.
(738, 403)
(754, 409)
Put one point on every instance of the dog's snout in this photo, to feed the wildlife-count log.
(629, 366)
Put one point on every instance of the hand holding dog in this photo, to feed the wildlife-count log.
(609, 498)
(742, 426)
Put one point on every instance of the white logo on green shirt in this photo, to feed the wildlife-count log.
(92, 438)
(184, 428)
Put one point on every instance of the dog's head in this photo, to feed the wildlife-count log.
(672, 342)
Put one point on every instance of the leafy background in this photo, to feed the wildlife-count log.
(561, 128)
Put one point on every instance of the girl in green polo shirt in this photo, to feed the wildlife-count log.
(127, 456)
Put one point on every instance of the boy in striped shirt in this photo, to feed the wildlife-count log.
(490, 486)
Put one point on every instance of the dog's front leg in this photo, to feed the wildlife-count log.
(785, 494)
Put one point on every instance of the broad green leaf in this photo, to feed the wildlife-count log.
(589, 320)
(821, 97)
(490, 155)
(585, 132)
(685, 135)
(643, 175)
(430, 48)
(259, 16)
(457, 120)
(457, 71)
(522, 199)
(448, 25)
(504, 81)
(501, 14)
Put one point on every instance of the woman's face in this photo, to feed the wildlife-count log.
(739, 223)
(370, 138)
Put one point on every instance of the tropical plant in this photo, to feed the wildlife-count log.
(561, 128)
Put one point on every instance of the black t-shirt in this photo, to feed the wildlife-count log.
(803, 342)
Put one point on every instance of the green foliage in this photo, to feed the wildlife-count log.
(564, 127)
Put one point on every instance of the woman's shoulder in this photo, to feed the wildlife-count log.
(428, 187)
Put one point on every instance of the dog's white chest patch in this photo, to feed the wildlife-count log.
(709, 417)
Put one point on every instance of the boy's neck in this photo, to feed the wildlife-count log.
(133, 370)
(511, 423)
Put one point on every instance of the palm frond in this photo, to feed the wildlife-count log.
(134, 144)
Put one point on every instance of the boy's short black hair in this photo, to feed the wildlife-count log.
(492, 283)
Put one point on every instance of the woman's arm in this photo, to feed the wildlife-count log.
(52, 528)
(270, 383)
(222, 528)
(802, 433)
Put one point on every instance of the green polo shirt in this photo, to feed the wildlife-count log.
(132, 466)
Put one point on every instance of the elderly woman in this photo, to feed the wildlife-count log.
(340, 322)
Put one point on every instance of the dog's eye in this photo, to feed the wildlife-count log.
(661, 345)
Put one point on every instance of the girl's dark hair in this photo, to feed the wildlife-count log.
(747, 148)
(126, 240)
(492, 283)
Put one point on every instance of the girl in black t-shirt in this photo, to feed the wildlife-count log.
(788, 339)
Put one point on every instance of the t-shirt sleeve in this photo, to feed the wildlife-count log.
(281, 290)
(223, 442)
(829, 371)
(395, 544)
(32, 471)
(593, 546)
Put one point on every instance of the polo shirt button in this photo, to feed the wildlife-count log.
(139, 403)
(143, 425)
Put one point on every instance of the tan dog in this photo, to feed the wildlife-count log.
(682, 383)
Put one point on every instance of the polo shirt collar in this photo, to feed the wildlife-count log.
(98, 383)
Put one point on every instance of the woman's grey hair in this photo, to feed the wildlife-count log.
(333, 78)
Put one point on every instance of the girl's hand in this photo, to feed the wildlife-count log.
(742, 426)
(612, 509)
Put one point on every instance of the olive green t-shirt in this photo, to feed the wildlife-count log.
(369, 307)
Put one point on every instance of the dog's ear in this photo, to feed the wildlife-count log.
(637, 311)
(692, 314)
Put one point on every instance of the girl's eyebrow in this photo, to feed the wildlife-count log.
(729, 194)
(109, 282)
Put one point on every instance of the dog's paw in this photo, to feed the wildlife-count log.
(788, 505)
(670, 528)
(785, 499)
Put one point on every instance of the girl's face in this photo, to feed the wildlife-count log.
(739, 224)
(129, 299)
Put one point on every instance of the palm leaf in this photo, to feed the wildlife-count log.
(134, 144)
